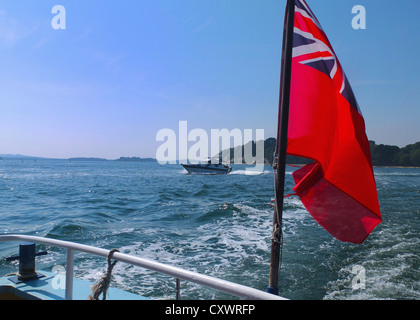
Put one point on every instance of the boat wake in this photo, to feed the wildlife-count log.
(249, 172)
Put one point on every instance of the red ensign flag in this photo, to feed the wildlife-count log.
(326, 125)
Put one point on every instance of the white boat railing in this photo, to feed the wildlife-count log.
(235, 289)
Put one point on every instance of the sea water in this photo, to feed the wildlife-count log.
(218, 225)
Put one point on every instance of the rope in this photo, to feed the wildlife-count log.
(102, 286)
(277, 235)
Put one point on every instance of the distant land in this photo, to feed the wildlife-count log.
(23, 157)
(382, 155)
(136, 159)
(125, 159)
(17, 157)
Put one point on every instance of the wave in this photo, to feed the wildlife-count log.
(217, 226)
(67, 228)
(223, 210)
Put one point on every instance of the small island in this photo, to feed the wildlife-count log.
(135, 159)
(86, 159)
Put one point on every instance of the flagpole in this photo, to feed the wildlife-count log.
(279, 163)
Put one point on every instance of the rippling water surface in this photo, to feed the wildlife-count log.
(216, 225)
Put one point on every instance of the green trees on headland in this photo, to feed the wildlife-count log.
(385, 155)
(382, 155)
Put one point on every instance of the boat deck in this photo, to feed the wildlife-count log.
(47, 288)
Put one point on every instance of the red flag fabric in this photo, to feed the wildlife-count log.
(326, 125)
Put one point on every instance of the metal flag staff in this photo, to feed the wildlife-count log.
(279, 163)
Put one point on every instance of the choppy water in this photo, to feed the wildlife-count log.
(216, 225)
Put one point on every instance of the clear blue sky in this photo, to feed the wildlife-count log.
(122, 70)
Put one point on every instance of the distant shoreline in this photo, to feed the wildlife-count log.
(19, 157)
(401, 167)
(382, 155)
(302, 164)
(148, 160)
